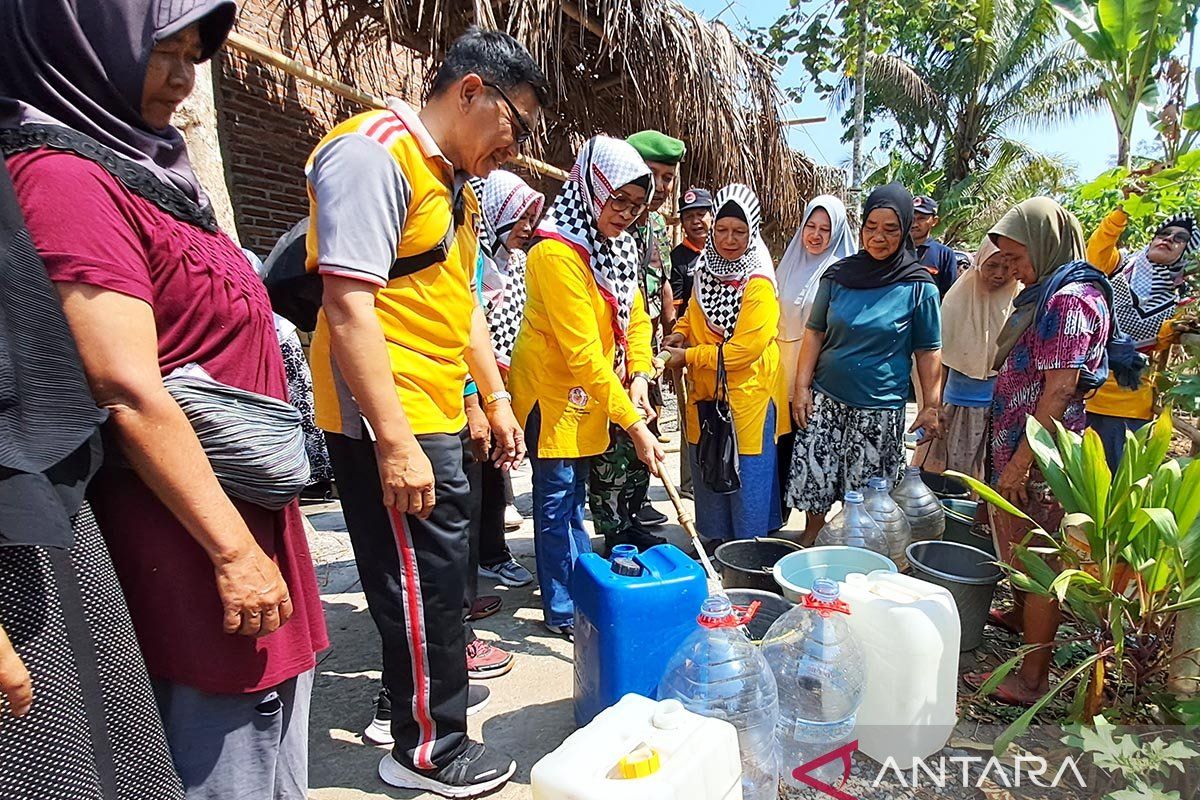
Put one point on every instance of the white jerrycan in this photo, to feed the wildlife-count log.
(641, 749)
(909, 633)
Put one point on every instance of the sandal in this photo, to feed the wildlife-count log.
(996, 619)
(976, 680)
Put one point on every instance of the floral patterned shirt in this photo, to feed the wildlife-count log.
(1073, 333)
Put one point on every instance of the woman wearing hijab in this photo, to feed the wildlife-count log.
(510, 211)
(582, 359)
(222, 591)
(873, 312)
(825, 237)
(1040, 353)
(737, 310)
(1147, 291)
(81, 722)
(973, 313)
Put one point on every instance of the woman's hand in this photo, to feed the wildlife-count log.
(929, 418)
(1013, 483)
(639, 393)
(478, 428)
(253, 594)
(673, 340)
(509, 450)
(649, 451)
(15, 683)
(677, 357)
(802, 405)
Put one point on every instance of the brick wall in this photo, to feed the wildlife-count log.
(269, 121)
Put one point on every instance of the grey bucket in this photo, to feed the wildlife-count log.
(748, 563)
(968, 573)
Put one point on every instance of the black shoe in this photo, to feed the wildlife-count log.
(474, 771)
(380, 729)
(650, 516)
(477, 698)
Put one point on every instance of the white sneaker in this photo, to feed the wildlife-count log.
(379, 732)
(477, 770)
(512, 518)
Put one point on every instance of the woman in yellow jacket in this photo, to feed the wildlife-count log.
(737, 308)
(1147, 291)
(582, 358)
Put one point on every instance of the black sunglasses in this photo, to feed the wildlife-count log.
(526, 129)
(1179, 237)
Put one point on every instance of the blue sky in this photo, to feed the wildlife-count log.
(1090, 141)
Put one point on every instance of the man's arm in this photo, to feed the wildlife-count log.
(357, 343)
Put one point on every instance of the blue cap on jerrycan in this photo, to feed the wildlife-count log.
(623, 563)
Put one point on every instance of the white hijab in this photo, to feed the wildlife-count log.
(800, 271)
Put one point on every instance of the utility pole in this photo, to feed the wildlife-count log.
(860, 90)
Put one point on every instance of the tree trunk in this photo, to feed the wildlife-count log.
(1184, 672)
(860, 91)
(197, 121)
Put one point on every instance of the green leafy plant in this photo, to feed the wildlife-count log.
(1141, 765)
(1123, 564)
(1127, 39)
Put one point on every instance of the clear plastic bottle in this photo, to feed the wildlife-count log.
(717, 672)
(883, 509)
(854, 527)
(922, 507)
(821, 675)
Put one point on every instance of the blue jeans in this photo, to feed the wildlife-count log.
(751, 511)
(1112, 434)
(559, 496)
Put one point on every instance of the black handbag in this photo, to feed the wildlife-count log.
(718, 448)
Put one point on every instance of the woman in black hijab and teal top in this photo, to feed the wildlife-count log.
(874, 311)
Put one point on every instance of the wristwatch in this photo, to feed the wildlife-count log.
(494, 396)
(643, 375)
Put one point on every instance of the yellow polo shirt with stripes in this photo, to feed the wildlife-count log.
(379, 190)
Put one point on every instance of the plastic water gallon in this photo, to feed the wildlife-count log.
(854, 527)
(717, 672)
(820, 673)
(640, 749)
(921, 506)
(883, 509)
(631, 614)
(908, 630)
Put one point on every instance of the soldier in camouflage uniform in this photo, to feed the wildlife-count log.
(617, 481)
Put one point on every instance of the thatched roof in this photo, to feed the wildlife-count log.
(619, 66)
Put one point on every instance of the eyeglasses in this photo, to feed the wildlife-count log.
(623, 205)
(526, 129)
(1179, 237)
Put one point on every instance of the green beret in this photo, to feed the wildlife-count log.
(656, 146)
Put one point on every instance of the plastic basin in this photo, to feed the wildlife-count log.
(960, 518)
(968, 573)
(747, 563)
(796, 572)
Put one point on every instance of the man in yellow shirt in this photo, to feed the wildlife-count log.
(393, 235)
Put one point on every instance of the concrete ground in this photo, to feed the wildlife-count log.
(529, 713)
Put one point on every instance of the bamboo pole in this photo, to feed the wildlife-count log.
(296, 69)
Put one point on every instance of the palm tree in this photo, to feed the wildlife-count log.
(957, 109)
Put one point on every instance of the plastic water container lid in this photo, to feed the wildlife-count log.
(879, 482)
(626, 567)
(623, 551)
(825, 589)
(912, 471)
(640, 763)
(854, 497)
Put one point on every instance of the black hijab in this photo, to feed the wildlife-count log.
(861, 270)
(72, 74)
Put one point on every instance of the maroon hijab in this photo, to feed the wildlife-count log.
(81, 65)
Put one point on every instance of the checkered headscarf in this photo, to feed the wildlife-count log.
(603, 166)
(504, 199)
(720, 282)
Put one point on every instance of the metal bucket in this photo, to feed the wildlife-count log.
(772, 608)
(747, 563)
(968, 573)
